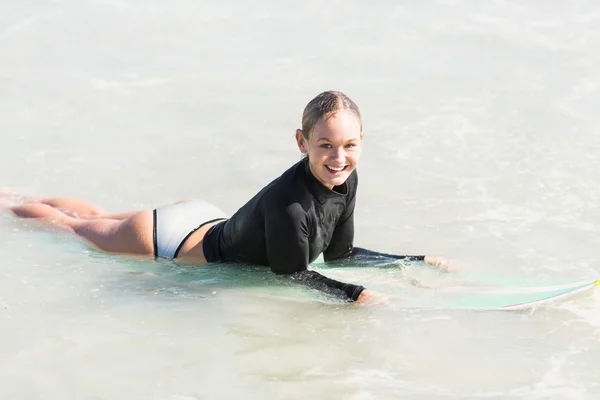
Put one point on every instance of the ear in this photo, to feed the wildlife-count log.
(301, 141)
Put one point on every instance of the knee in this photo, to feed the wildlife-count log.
(45, 214)
(32, 210)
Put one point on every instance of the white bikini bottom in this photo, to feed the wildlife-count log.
(174, 223)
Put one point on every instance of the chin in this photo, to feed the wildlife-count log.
(338, 181)
(330, 180)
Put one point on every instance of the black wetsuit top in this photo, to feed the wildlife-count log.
(288, 224)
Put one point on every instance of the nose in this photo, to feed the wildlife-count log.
(339, 153)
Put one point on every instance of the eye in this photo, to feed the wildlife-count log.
(326, 146)
(350, 145)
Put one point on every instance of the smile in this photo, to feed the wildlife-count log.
(336, 169)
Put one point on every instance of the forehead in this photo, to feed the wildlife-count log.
(341, 125)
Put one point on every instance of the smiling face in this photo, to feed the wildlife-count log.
(333, 147)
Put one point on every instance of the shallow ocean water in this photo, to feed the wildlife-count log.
(481, 145)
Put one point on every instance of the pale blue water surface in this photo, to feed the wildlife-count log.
(481, 144)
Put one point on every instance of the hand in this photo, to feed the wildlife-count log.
(440, 263)
(371, 298)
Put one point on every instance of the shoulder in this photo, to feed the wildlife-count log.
(288, 220)
(289, 192)
(287, 209)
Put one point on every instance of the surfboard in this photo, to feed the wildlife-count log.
(506, 298)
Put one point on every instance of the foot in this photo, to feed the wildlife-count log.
(9, 197)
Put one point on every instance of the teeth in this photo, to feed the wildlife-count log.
(335, 169)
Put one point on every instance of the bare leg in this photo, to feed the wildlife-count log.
(70, 206)
(120, 216)
(129, 236)
(41, 212)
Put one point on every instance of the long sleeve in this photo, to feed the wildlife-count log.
(361, 254)
(360, 257)
(317, 281)
(288, 253)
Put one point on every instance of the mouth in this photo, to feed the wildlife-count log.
(336, 170)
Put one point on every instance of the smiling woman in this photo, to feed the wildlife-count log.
(307, 211)
(331, 137)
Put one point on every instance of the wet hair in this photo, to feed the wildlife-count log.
(324, 106)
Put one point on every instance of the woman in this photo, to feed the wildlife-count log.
(307, 211)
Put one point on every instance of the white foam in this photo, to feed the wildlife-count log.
(481, 145)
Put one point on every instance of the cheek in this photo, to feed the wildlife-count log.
(353, 155)
(317, 152)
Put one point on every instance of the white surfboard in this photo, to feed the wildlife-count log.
(507, 298)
